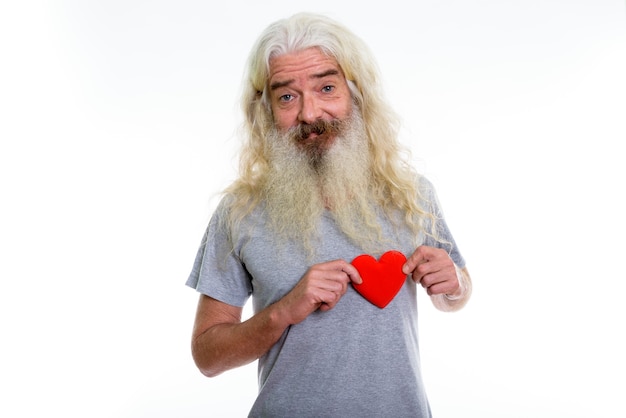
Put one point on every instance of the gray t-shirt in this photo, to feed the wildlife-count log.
(356, 360)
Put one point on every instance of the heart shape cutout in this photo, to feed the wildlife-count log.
(382, 279)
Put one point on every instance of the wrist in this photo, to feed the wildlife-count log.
(460, 292)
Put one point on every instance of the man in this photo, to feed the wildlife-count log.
(321, 182)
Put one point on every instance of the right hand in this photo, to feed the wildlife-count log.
(321, 287)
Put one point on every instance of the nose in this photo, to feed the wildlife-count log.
(310, 109)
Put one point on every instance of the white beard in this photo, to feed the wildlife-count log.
(303, 182)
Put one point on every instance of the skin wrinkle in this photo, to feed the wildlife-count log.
(278, 84)
(294, 168)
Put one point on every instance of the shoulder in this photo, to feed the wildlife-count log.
(424, 185)
(426, 191)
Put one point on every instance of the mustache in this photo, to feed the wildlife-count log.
(319, 127)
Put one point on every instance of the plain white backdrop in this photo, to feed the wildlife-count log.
(118, 127)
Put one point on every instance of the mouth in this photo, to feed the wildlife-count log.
(318, 130)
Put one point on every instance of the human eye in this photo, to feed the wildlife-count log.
(285, 98)
(328, 89)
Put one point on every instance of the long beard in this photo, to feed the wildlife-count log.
(308, 178)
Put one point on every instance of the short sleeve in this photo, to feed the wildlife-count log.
(444, 238)
(217, 270)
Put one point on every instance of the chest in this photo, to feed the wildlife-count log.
(275, 266)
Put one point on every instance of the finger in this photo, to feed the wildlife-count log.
(335, 282)
(439, 282)
(348, 269)
(353, 273)
(430, 279)
(438, 288)
(329, 300)
(418, 257)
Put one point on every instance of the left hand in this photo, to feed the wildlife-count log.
(433, 269)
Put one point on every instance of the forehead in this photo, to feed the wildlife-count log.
(307, 62)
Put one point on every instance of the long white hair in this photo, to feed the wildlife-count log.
(394, 183)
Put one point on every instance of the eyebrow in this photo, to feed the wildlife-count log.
(279, 84)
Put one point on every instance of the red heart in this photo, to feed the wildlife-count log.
(383, 279)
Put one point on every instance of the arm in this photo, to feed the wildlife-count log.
(448, 286)
(220, 341)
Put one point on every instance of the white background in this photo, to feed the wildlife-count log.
(117, 122)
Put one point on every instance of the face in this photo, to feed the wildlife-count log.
(308, 88)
